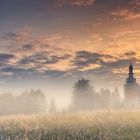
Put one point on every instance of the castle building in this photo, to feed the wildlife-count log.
(131, 88)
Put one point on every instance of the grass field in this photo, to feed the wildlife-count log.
(67, 126)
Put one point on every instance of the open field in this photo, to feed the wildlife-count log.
(67, 126)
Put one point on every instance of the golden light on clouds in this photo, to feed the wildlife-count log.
(73, 36)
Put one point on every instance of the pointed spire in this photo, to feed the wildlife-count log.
(131, 69)
(131, 78)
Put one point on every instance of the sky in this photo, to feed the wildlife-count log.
(50, 44)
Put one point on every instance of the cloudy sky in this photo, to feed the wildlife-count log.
(55, 42)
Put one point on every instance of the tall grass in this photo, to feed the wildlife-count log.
(69, 126)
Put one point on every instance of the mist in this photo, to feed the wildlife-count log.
(72, 96)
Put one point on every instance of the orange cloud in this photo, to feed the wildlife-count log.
(135, 4)
(129, 12)
(126, 14)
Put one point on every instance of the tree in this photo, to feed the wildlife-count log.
(28, 102)
(105, 96)
(33, 101)
(82, 98)
(52, 106)
(115, 99)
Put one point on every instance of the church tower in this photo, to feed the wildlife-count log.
(131, 79)
(131, 88)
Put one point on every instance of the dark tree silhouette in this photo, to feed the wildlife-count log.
(82, 98)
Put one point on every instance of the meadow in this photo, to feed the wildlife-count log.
(101, 125)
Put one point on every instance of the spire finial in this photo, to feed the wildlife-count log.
(131, 63)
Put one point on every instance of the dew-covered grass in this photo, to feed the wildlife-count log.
(103, 125)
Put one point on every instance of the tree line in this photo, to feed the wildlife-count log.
(28, 102)
(84, 98)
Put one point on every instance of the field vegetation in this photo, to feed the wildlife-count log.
(101, 125)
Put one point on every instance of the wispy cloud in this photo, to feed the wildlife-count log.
(126, 14)
(76, 2)
(131, 11)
